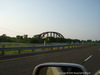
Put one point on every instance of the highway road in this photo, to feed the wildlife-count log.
(24, 64)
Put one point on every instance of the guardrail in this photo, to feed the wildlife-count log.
(3, 49)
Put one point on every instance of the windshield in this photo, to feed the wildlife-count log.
(41, 31)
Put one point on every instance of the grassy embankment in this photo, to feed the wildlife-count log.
(7, 44)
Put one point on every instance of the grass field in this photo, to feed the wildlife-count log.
(7, 44)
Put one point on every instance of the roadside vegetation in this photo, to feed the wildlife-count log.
(33, 40)
(23, 41)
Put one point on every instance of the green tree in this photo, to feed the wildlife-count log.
(5, 38)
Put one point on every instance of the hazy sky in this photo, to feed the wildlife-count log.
(76, 19)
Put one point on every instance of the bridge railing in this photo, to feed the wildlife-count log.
(19, 49)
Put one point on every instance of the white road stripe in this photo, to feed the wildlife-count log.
(88, 58)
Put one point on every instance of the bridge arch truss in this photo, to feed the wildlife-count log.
(51, 34)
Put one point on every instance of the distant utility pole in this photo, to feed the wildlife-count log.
(44, 42)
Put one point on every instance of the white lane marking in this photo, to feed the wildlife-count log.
(88, 58)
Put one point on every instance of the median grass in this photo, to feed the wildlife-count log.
(7, 44)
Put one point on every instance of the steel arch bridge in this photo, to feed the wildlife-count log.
(50, 34)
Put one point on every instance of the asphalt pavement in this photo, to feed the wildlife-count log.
(24, 64)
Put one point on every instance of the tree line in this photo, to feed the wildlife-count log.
(34, 39)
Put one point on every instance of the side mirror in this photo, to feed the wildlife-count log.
(97, 73)
(59, 69)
